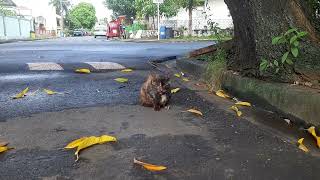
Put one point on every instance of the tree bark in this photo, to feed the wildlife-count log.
(257, 21)
(190, 9)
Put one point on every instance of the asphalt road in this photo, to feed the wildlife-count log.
(76, 50)
(218, 145)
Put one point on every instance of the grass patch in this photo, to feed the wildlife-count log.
(216, 66)
(211, 38)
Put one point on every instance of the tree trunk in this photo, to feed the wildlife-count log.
(190, 9)
(257, 21)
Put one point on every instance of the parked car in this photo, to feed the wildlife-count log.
(100, 31)
(78, 32)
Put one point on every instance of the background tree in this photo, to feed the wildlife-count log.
(256, 22)
(122, 7)
(146, 9)
(58, 3)
(83, 15)
(62, 8)
(5, 11)
(189, 5)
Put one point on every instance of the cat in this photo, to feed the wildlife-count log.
(155, 92)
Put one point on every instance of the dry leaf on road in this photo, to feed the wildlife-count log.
(312, 131)
(173, 91)
(236, 109)
(75, 143)
(22, 94)
(121, 80)
(86, 142)
(194, 111)
(302, 146)
(185, 79)
(240, 103)
(126, 70)
(83, 71)
(222, 94)
(106, 138)
(149, 167)
(4, 149)
(50, 92)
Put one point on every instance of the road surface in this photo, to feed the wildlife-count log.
(73, 52)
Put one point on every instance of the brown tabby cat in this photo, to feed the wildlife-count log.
(155, 92)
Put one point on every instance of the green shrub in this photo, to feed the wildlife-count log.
(214, 72)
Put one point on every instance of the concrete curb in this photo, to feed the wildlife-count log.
(162, 41)
(192, 67)
(293, 101)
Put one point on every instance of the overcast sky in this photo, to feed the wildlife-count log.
(41, 7)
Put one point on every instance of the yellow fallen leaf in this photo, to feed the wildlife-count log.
(177, 75)
(318, 141)
(235, 108)
(106, 138)
(148, 166)
(312, 131)
(222, 94)
(75, 143)
(84, 71)
(195, 112)
(185, 79)
(302, 146)
(4, 149)
(126, 70)
(22, 94)
(175, 90)
(240, 103)
(92, 140)
(49, 92)
(121, 80)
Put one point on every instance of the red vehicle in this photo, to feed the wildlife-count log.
(115, 29)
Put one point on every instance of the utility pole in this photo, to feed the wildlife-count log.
(62, 19)
(158, 21)
(158, 2)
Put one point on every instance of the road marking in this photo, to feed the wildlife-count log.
(44, 67)
(105, 65)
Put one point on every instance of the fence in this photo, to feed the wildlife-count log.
(198, 24)
(200, 27)
(15, 27)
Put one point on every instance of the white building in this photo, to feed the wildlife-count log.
(40, 9)
(212, 11)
